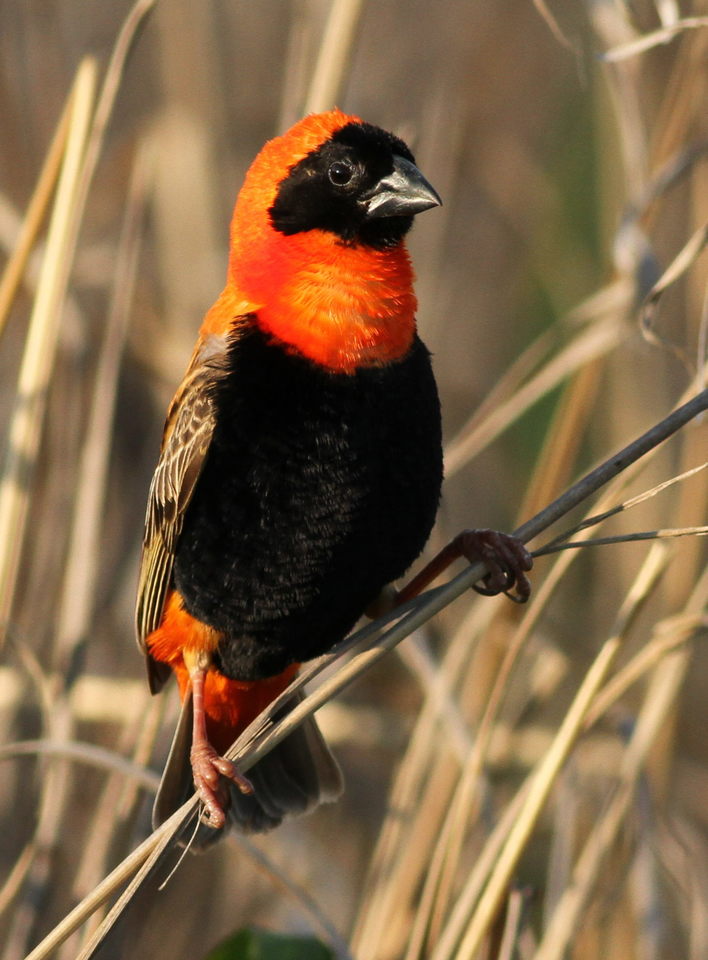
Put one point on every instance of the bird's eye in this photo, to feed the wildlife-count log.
(340, 173)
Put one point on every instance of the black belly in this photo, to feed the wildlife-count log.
(318, 490)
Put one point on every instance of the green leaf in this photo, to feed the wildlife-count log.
(250, 944)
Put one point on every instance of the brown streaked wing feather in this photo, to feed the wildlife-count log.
(186, 438)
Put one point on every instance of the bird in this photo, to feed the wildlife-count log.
(301, 464)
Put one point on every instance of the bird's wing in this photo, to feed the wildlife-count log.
(188, 431)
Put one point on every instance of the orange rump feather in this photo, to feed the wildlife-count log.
(230, 705)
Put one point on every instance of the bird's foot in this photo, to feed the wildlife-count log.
(208, 768)
(506, 558)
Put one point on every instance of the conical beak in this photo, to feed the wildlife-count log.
(402, 193)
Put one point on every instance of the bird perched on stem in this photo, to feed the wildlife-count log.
(301, 463)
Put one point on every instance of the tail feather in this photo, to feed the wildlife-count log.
(297, 775)
(294, 777)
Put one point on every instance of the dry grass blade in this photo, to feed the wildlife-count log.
(87, 753)
(667, 636)
(335, 52)
(626, 505)
(510, 937)
(460, 809)
(469, 895)
(655, 39)
(658, 701)
(420, 660)
(82, 565)
(666, 534)
(386, 870)
(24, 863)
(435, 901)
(77, 611)
(13, 882)
(511, 380)
(539, 788)
(682, 853)
(615, 465)
(668, 11)
(140, 861)
(542, 779)
(682, 262)
(553, 24)
(36, 368)
(702, 351)
(84, 141)
(587, 346)
(474, 766)
(571, 421)
(122, 48)
(34, 218)
(151, 861)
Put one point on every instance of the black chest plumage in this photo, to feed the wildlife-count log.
(318, 490)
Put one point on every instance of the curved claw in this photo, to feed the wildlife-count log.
(506, 558)
(207, 769)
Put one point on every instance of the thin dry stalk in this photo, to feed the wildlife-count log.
(26, 425)
(334, 55)
(644, 583)
(36, 369)
(441, 873)
(590, 344)
(461, 810)
(147, 852)
(399, 828)
(418, 656)
(563, 439)
(87, 753)
(512, 923)
(655, 39)
(77, 611)
(666, 636)
(440, 877)
(435, 901)
(681, 851)
(34, 218)
(682, 262)
(658, 702)
(539, 789)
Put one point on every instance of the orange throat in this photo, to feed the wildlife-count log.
(343, 306)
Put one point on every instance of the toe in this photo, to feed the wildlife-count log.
(229, 770)
(213, 813)
(506, 559)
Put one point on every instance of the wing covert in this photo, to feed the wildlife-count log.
(188, 431)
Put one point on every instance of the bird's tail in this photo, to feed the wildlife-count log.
(293, 778)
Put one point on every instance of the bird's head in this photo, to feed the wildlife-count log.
(360, 184)
(324, 209)
(334, 174)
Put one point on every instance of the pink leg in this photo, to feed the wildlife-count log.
(506, 558)
(207, 766)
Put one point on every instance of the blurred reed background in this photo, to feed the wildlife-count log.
(521, 782)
